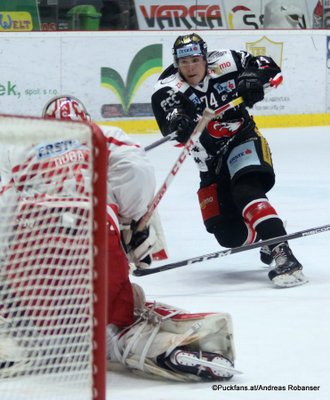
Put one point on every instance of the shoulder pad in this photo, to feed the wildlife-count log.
(170, 70)
(244, 57)
(221, 62)
(174, 82)
(214, 57)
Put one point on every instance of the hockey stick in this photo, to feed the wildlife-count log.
(161, 141)
(223, 253)
(207, 116)
(202, 123)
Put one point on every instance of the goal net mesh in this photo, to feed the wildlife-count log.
(52, 213)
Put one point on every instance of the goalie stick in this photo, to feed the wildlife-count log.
(202, 123)
(223, 253)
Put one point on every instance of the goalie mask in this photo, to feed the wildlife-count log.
(188, 46)
(66, 108)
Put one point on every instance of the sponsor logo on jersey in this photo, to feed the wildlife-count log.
(221, 68)
(180, 84)
(195, 99)
(242, 156)
(225, 65)
(246, 152)
(225, 87)
(56, 148)
(205, 202)
(69, 157)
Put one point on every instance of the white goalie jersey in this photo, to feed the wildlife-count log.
(69, 156)
(61, 172)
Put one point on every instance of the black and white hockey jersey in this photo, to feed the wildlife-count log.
(218, 87)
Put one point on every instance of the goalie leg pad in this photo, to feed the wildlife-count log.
(161, 330)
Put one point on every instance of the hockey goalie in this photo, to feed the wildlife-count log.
(153, 339)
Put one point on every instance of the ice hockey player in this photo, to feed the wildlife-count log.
(131, 183)
(152, 338)
(129, 165)
(232, 156)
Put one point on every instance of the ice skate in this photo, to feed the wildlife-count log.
(288, 270)
(266, 256)
(206, 365)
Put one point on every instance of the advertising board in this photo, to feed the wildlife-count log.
(114, 73)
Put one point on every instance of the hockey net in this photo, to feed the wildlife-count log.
(52, 260)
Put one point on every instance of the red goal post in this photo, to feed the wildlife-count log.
(52, 259)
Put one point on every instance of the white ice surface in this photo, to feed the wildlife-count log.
(282, 335)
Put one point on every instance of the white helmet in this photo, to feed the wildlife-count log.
(67, 108)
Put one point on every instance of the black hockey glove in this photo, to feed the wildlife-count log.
(182, 124)
(250, 87)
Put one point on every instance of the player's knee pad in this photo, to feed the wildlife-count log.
(257, 211)
(209, 205)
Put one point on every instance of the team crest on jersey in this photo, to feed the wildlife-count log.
(225, 87)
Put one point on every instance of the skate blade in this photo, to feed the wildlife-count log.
(219, 368)
(297, 278)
